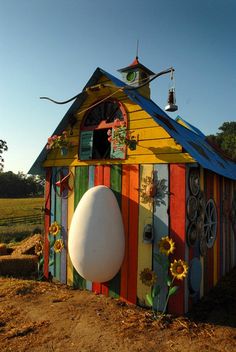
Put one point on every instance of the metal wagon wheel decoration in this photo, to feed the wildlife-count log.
(192, 207)
(210, 223)
(194, 181)
(63, 183)
(192, 234)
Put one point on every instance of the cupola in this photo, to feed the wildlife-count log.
(137, 75)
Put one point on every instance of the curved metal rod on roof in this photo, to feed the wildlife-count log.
(128, 87)
(61, 102)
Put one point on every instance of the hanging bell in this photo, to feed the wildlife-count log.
(171, 106)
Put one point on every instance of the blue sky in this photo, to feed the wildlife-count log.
(52, 47)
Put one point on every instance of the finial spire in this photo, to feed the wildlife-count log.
(137, 48)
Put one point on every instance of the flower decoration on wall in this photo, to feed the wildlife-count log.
(59, 142)
(179, 269)
(176, 270)
(148, 277)
(154, 191)
(58, 246)
(166, 245)
(54, 229)
(120, 137)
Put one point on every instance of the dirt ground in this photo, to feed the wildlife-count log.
(42, 316)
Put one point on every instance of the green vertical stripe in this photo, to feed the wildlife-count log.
(81, 186)
(114, 284)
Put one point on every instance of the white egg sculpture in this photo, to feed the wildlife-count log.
(96, 237)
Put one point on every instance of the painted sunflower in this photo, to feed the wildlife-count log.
(166, 245)
(148, 277)
(58, 246)
(179, 269)
(38, 248)
(54, 229)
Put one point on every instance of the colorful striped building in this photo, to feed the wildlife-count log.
(167, 179)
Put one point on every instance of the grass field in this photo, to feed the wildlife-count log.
(10, 208)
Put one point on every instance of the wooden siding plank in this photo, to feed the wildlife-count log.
(90, 185)
(98, 180)
(131, 159)
(81, 186)
(125, 215)
(114, 284)
(201, 257)
(52, 219)
(106, 182)
(133, 233)
(177, 228)
(57, 256)
(69, 218)
(216, 247)
(64, 232)
(210, 262)
(144, 249)
(47, 222)
(156, 147)
(145, 123)
(161, 229)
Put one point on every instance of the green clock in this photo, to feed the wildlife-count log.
(130, 77)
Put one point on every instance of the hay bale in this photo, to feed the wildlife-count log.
(3, 249)
(23, 266)
(27, 246)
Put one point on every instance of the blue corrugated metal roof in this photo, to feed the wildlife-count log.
(191, 139)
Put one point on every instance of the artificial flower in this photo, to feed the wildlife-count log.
(54, 228)
(58, 245)
(179, 269)
(148, 277)
(166, 245)
(38, 248)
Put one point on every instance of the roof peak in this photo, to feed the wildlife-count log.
(136, 64)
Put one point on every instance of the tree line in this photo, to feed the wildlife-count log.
(20, 185)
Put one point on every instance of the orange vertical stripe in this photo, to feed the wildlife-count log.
(177, 228)
(133, 233)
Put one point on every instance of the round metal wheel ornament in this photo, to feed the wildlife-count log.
(194, 181)
(200, 227)
(210, 223)
(201, 204)
(192, 206)
(192, 234)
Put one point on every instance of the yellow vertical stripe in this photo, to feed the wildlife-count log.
(144, 249)
(70, 215)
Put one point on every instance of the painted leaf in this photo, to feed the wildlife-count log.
(149, 299)
(173, 290)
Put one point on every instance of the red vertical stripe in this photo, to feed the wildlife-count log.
(125, 216)
(177, 228)
(218, 200)
(210, 253)
(47, 221)
(106, 182)
(133, 233)
(98, 180)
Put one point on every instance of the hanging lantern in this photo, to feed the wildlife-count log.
(171, 102)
